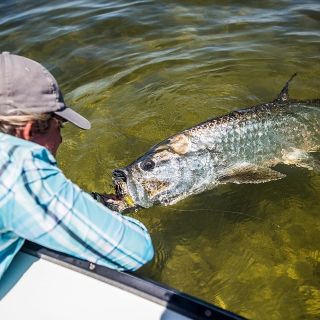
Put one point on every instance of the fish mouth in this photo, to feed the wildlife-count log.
(119, 177)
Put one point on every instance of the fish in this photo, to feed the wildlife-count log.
(243, 146)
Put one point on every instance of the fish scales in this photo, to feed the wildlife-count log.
(241, 147)
(260, 132)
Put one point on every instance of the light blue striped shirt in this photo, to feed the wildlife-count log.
(38, 203)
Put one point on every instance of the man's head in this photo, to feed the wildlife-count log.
(31, 104)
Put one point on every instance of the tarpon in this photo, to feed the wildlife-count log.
(240, 147)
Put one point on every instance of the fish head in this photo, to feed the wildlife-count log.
(154, 178)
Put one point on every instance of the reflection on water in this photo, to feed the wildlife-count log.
(143, 70)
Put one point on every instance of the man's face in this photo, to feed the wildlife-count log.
(51, 139)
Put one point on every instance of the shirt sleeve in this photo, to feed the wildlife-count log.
(62, 217)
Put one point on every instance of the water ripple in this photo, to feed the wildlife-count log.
(144, 70)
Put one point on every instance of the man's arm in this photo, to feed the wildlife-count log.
(64, 218)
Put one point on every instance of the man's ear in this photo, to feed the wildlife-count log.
(25, 132)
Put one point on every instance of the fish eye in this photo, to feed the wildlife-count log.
(147, 165)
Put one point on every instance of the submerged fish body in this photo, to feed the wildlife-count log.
(241, 147)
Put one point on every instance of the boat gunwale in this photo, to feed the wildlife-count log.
(170, 298)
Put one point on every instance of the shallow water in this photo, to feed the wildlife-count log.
(144, 70)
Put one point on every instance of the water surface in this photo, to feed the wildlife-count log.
(144, 70)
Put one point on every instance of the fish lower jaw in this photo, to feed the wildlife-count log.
(168, 201)
(137, 196)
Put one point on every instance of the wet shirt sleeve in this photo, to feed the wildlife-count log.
(60, 216)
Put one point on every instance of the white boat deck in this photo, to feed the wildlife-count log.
(38, 289)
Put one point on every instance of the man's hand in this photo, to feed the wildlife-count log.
(111, 201)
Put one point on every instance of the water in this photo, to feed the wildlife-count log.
(144, 70)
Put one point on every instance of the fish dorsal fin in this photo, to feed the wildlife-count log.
(284, 94)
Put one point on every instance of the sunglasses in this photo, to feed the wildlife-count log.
(59, 120)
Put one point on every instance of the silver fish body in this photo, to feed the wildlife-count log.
(241, 147)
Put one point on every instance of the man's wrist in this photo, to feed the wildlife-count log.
(97, 196)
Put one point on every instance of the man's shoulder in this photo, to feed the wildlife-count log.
(16, 147)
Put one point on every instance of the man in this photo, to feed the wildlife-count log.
(37, 202)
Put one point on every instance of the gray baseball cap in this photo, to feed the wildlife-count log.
(27, 87)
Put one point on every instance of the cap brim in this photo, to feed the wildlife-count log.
(74, 117)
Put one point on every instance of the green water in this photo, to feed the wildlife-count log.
(144, 70)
